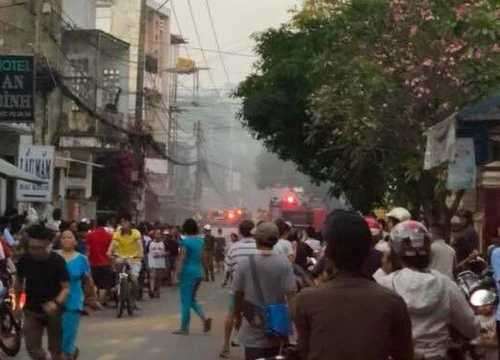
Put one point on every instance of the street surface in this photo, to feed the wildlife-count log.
(148, 334)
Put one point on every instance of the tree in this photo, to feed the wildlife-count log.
(377, 74)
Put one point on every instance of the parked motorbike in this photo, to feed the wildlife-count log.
(480, 291)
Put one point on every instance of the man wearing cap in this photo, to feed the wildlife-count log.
(208, 253)
(239, 250)
(351, 316)
(274, 274)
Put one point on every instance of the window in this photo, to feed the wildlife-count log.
(110, 85)
(80, 81)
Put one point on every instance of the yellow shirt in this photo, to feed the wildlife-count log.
(127, 245)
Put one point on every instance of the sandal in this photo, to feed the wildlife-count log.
(181, 332)
(207, 325)
(224, 354)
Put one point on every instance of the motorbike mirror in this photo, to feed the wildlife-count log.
(482, 297)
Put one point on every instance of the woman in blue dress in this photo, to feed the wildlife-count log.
(190, 275)
(78, 270)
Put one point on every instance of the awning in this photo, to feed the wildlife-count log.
(487, 110)
(12, 171)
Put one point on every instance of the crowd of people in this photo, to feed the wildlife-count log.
(364, 288)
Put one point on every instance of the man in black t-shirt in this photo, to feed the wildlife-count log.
(44, 276)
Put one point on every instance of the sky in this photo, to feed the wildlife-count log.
(235, 21)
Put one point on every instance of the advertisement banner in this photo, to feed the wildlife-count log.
(16, 89)
(462, 171)
(39, 161)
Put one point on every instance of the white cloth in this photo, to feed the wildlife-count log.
(383, 246)
(283, 247)
(315, 245)
(156, 255)
(434, 302)
(379, 274)
(440, 145)
(443, 258)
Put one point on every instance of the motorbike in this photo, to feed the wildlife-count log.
(480, 291)
(10, 326)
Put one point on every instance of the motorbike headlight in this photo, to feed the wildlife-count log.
(482, 297)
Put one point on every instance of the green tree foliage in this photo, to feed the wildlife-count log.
(347, 89)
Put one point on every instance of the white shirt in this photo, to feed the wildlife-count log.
(434, 302)
(314, 244)
(443, 258)
(156, 255)
(383, 246)
(283, 247)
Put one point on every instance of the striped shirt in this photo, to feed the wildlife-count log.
(237, 251)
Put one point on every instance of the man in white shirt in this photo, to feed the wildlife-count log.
(283, 246)
(443, 256)
(312, 242)
(239, 250)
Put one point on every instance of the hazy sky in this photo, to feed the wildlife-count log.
(235, 21)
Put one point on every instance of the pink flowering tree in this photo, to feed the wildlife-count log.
(378, 74)
(396, 68)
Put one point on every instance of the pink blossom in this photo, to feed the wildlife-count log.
(428, 62)
(413, 30)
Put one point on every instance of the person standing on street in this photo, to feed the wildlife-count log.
(435, 302)
(208, 254)
(78, 269)
(220, 246)
(283, 246)
(237, 251)
(351, 317)
(312, 241)
(274, 274)
(98, 242)
(156, 263)
(190, 275)
(443, 256)
(172, 251)
(44, 276)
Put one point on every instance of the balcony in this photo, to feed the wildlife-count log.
(86, 132)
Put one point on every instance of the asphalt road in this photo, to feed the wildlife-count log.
(148, 334)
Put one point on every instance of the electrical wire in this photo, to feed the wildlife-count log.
(212, 23)
(198, 37)
(172, 6)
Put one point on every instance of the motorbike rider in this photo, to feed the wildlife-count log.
(397, 215)
(434, 300)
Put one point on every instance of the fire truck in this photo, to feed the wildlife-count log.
(299, 211)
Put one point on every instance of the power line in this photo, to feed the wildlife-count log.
(178, 26)
(198, 37)
(226, 73)
(162, 5)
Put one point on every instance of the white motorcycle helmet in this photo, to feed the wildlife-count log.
(400, 214)
(410, 239)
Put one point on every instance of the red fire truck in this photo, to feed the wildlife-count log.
(301, 213)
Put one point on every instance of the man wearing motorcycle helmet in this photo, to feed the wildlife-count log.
(434, 300)
(350, 316)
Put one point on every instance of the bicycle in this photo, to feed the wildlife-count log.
(124, 291)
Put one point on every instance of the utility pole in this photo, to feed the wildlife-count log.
(38, 135)
(141, 59)
(139, 110)
(198, 174)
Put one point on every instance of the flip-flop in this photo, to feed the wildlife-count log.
(224, 354)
